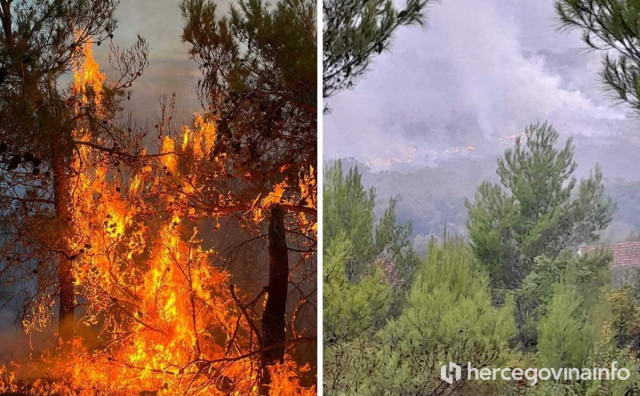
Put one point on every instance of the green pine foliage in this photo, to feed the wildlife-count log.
(612, 27)
(353, 312)
(348, 213)
(363, 282)
(448, 317)
(583, 323)
(578, 333)
(539, 208)
(589, 273)
(565, 336)
(534, 296)
(391, 320)
(357, 30)
(394, 239)
(625, 309)
(352, 309)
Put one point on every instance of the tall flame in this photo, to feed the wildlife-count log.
(164, 317)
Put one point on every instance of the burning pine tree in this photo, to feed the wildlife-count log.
(142, 307)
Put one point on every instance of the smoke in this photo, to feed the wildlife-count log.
(170, 70)
(479, 73)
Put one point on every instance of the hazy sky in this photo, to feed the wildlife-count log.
(478, 73)
(160, 23)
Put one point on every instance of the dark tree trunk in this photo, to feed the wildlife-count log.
(65, 280)
(273, 317)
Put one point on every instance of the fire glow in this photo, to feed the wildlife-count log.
(162, 318)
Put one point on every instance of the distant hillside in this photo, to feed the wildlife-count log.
(432, 198)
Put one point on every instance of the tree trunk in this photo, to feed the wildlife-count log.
(65, 280)
(273, 317)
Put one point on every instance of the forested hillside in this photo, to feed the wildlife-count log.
(433, 197)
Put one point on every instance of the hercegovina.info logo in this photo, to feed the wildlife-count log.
(451, 373)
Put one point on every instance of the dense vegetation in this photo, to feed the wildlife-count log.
(431, 209)
(392, 319)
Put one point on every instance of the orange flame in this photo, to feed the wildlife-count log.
(164, 317)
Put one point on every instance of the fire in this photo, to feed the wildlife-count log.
(164, 319)
(168, 146)
(88, 77)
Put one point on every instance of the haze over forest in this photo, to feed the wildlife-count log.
(430, 137)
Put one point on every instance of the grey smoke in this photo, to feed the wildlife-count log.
(478, 73)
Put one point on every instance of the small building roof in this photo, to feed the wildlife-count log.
(625, 254)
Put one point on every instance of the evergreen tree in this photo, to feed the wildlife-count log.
(589, 273)
(355, 31)
(393, 240)
(625, 309)
(353, 312)
(538, 208)
(258, 82)
(40, 42)
(448, 317)
(612, 27)
(587, 325)
(259, 85)
(566, 336)
(349, 213)
(535, 295)
(368, 267)
(352, 309)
